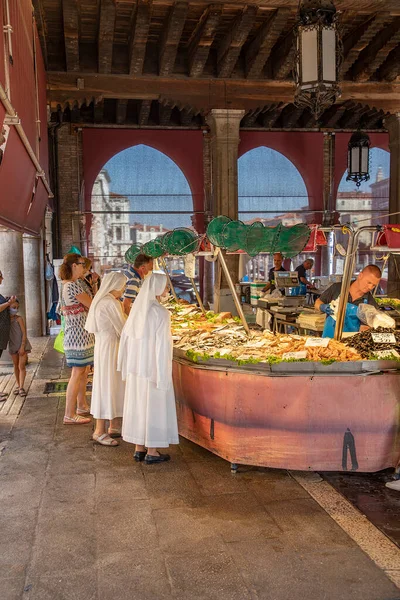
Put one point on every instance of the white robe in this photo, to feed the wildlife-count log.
(108, 387)
(149, 407)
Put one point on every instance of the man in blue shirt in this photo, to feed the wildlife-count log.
(135, 274)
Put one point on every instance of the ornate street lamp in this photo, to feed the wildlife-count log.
(318, 56)
(358, 158)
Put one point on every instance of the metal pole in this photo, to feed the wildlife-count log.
(164, 265)
(347, 275)
(233, 291)
(346, 280)
(196, 291)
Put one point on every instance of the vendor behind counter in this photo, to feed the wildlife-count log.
(359, 293)
(278, 261)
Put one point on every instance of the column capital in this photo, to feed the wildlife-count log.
(225, 122)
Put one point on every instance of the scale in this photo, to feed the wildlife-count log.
(290, 281)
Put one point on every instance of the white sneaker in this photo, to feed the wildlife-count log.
(394, 485)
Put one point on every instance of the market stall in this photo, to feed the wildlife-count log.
(279, 400)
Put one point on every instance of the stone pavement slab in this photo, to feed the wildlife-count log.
(79, 521)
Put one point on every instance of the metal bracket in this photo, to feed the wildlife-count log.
(12, 120)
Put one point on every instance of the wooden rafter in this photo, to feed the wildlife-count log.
(251, 117)
(290, 116)
(356, 42)
(352, 118)
(332, 116)
(106, 35)
(139, 35)
(283, 57)
(272, 115)
(71, 33)
(98, 112)
(120, 113)
(165, 112)
(375, 55)
(171, 38)
(144, 112)
(187, 116)
(390, 69)
(260, 48)
(202, 39)
(230, 47)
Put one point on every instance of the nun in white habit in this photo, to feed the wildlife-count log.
(145, 360)
(106, 320)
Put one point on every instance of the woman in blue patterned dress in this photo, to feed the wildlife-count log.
(78, 343)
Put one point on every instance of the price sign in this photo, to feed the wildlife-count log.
(317, 342)
(297, 355)
(387, 354)
(383, 338)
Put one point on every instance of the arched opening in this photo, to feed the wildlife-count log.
(139, 194)
(366, 205)
(271, 190)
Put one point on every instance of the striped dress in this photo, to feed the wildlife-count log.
(78, 343)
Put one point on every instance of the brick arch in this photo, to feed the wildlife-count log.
(185, 148)
(304, 150)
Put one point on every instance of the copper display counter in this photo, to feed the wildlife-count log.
(301, 416)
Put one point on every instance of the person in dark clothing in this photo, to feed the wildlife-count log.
(278, 260)
(302, 270)
(4, 325)
(359, 293)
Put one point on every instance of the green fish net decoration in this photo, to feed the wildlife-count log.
(215, 230)
(181, 241)
(234, 236)
(154, 248)
(132, 252)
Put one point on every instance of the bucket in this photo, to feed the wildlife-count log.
(256, 291)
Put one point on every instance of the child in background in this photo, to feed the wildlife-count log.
(18, 347)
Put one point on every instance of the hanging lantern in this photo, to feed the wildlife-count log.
(318, 56)
(358, 158)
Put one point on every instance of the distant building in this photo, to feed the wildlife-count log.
(110, 232)
(142, 233)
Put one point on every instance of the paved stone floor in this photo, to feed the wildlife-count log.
(82, 522)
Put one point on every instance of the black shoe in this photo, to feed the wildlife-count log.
(149, 460)
(139, 456)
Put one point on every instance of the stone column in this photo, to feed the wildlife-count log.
(224, 126)
(12, 266)
(392, 124)
(33, 284)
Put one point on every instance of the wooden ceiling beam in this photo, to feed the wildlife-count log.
(139, 35)
(202, 38)
(230, 47)
(144, 112)
(353, 116)
(375, 55)
(390, 69)
(207, 94)
(357, 41)
(71, 33)
(260, 48)
(106, 35)
(122, 106)
(283, 58)
(98, 112)
(171, 38)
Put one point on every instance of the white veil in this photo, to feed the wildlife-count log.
(153, 286)
(114, 280)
